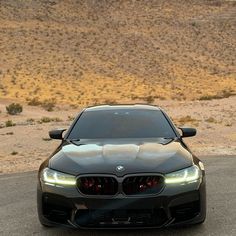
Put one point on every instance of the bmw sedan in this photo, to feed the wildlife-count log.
(121, 166)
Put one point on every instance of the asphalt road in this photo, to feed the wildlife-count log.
(18, 206)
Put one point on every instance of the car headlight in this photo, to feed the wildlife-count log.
(201, 165)
(53, 177)
(190, 174)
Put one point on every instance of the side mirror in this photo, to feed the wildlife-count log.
(188, 132)
(56, 134)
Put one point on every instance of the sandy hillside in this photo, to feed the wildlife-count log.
(86, 52)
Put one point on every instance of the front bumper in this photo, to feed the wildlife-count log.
(176, 204)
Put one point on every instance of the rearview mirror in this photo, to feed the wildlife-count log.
(188, 132)
(56, 134)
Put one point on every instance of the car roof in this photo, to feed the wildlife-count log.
(122, 106)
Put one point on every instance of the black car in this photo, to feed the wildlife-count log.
(121, 166)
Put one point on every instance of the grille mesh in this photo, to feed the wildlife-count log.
(142, 185)
(98, 185)
(132, 185)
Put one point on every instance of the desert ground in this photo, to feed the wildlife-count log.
(25, 144)
(57, 57)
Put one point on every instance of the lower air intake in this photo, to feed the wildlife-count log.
(120, 218)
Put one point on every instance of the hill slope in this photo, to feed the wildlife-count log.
(85, 52)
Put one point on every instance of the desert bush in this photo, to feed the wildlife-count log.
(70, 118)
(9, 123)
(14, 109)
(228, 124)
(9, 133)
(14, 153)
(110, 101)
(34, 102)
(30, 121)
(149, 99)
(223, 94)
(206, 97)
(57, 119)
(74, 106)
(211, 120)
(48, 105)
(46, 119)
(187, 119)
(46, 139)
(194, 23)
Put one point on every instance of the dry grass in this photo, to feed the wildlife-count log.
(219, 95)
(14, 153)
(211, 120)
(9, 123)
(46, 119)
(187, 120)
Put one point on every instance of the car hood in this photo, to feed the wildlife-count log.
(89, 157)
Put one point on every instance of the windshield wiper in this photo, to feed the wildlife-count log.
(73, 141)
(171, 139)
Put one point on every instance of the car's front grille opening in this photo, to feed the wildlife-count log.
(134, 185)
(97, 185)
(185, 211)
(120, 217)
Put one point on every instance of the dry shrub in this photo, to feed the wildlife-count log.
(14, 109)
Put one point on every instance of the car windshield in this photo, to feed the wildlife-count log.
(121, 123)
